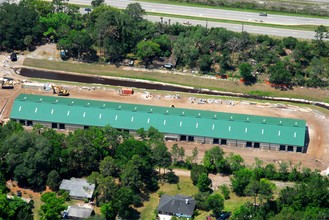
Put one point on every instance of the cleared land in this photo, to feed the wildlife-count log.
(317, 156)
(36, 59)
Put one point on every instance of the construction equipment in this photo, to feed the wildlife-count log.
(7, 83)
(60, 91)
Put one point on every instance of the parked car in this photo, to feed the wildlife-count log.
(263, 14)
(224, 216)
(19, 193)
(13, 56)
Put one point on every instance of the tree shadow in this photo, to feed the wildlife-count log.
(170, 177)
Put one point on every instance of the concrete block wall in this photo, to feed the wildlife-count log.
(231, 143)
(274, 147)
(241, 143)
(208, 140)
(265, 146)
(72, 127)
(199, 139)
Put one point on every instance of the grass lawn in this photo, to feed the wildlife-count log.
(186, 80)
(184, 187)
(235, 202)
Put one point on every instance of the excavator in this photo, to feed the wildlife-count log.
(60, 91)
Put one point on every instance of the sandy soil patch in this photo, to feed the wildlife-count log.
(317, 156)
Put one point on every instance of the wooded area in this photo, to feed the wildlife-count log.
(108, 34)
(126, 170)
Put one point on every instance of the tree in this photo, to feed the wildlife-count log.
(235, 162)
(52, 207)
(135, 11)
(21, 21)
(283, 171)
(28, 158)
(216, 204)
(131, 176)
(240, 180)
(165, 44)
(195, 154)
(77, 43)
(246, 73)
(245, 211)
(252, 189)
(225, 191)
(96, 3)
(53, 180)
(108, 167)
(214, 160)
(321, 32)
(161, 156)
(142, 133)
(177, 153)
(201, 200)
(196, 172)
(147, 50)
(265, 190)
(204, 63)
(204, 183)
(289, 42)
(279, 74)
(262, 189)
(270, 171)
(109, 210)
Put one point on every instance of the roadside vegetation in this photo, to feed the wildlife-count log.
(289, 7)
(98, 37)
(253, 23)
(131, 175)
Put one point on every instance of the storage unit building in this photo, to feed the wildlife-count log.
(236, 130)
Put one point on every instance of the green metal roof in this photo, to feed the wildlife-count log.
(167, 120)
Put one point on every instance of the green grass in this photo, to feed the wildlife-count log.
(235, 202)
(260, 93)
(185, 80)
(293, 27)
(184, 187)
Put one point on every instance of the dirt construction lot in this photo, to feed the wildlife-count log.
(317, 156)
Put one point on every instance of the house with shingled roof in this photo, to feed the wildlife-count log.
(178, 205)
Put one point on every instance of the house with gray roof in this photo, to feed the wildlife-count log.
(78, 188)
(179, 205)
(78, 213)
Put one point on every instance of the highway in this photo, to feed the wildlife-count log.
(216, 13)
(223, 14)
(238, 27)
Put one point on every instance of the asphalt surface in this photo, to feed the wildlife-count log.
(279, 32)
(215, 13)
(241, 27)
(222, 14)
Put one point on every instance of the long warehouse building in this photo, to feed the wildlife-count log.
(269, 133)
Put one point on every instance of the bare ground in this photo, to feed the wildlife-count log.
(317, 156)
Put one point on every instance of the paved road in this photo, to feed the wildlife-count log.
(238, 28)
(215, 13)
